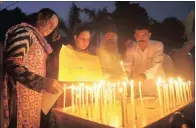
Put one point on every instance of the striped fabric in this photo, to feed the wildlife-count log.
(17, 45)
(25, 65)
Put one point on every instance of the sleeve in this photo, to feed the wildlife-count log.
(17, 45)
(157, 60)
(128, 61)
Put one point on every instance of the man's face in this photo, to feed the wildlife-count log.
(50, 26)
(142, 35)
(82, 40)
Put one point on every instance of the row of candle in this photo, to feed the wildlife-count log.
(95, 99)
(173, 93)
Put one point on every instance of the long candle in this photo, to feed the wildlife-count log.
(167, 96)
(64, 96)
(86, 100)
(190, 92)
(177, 93)
(185, 93)
(101, 102)
(160, 95)
(141, 98)
(122, 65)
(122, 107)
(72, 98)
(133, 100)
(125, 101)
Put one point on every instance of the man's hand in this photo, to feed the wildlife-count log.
(52, 86)
(141, 77)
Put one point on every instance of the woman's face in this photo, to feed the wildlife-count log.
(82, 40)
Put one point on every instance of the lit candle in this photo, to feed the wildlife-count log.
(140, 92)
(122, 65)
(189, 91)
(91, 102)
(82, 93)
(64, 96)
(125, 101)
(72, 98)
(185, 92)
(177, 93)
(114, 94)
(86, 100)
(101, 102)
(133, 100)
(122, 107)
(160, 95)
(167, 96)
(180, 90)
(76, 99)
(172, 93)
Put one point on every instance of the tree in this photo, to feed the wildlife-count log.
(10, 18)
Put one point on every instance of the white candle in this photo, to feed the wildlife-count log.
(141, 98)
(72, 98)
(122, 107)
(101, 102)
(158, 84)
(86, 100)
(64, 96)
(133, 100)
(122, 65)
(189, 91)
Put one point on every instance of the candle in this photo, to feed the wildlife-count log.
(189, 91)
(140, 93)
(76, 99)
(177, 93)
(180, 90)
(167, 96)
(125, 101)
(122, 107)
(114, 94)
(185, 92)
(122, 65)
(91, 103)
(82, 93)
(64, 96)
(72, 98)
(86, 100)
(172, 93)
(160, 95)
(101, 102)
(133, 100)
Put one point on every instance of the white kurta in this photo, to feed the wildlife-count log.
(148, 61)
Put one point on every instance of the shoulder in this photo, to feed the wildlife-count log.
(156, 44)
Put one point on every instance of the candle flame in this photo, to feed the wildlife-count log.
(120, 90)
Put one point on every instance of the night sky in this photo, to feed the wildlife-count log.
(158, 10)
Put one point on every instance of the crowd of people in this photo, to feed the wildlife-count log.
(31, 63)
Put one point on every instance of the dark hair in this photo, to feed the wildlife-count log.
(41, 16)
(110, 26)
(142, 27)
(82, 28)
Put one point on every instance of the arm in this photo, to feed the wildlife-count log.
(17, 46)
(157, 60)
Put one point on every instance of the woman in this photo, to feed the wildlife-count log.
(25, 56)
(82, 38)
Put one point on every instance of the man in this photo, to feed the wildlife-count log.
(109, 55)
(143, 60)
(25, 56)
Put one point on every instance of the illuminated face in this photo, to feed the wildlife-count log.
(82, 40)
(142, 35)
(111, 37)
(50, 26)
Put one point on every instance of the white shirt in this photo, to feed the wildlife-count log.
(147, 61)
